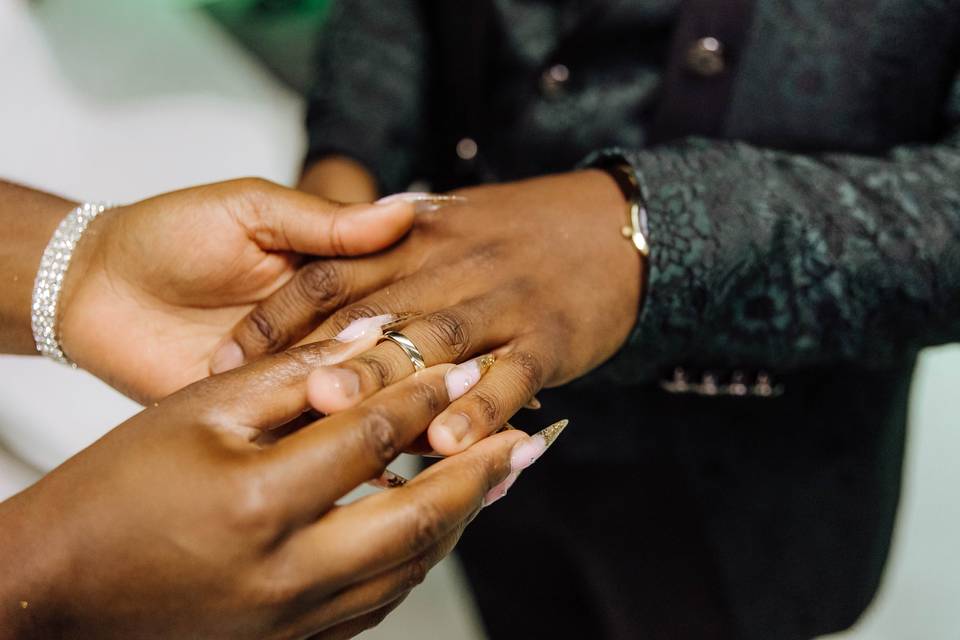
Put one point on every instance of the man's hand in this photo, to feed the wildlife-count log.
(155, 285)
(536, 272)
(184, 523)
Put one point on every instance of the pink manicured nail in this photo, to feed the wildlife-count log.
(524, 454)
(331, 389)
(462, 377)
(501, 489)
(228, 356)
(361, 326)
(423, 202)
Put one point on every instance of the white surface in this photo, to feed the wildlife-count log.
(120, 99)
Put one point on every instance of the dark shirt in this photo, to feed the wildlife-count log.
(803, 187)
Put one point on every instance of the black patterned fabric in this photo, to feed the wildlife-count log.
(816, 237)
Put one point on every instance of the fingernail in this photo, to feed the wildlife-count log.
(456, 425)
(228, 356)
(462, 377)
(534, 404)
(500, 490)
(524, 454)
(342, 384)
(529, 451)
(400, 319)
(359, 327)
(423, 202)
(388, 480)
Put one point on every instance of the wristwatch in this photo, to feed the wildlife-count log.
(636, 228)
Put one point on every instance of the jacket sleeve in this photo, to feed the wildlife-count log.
(763, 258)
(367, 101)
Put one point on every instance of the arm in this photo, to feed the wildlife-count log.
(28, 219)
(365, 116)
(768, 258)
(152, 286)
(184, 522)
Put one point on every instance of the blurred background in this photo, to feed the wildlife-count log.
(118, 100)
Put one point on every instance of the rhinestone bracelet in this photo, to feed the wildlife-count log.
(53, 267)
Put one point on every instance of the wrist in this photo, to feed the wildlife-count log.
(33, 565)
(29, 219)
(86, 263)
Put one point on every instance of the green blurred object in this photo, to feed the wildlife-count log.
(283, 33)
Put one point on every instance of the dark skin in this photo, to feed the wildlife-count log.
(536, 272)
(181, 522)
(154, 285)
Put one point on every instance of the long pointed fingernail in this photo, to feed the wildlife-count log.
(534, 404)
(523, 456)
(228, 356)
(462, 377)
(529, 451)
(359, 327)
(423, 202)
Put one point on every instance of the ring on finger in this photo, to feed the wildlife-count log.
(409, 349)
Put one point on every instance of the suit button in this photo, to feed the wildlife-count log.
(467, 149)
(554, 79)
(705, 57)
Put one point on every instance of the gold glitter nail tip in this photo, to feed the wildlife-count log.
(551, 433)
(485, 362)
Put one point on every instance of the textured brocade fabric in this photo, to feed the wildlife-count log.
(769, 258)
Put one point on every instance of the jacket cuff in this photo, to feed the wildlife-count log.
(667, 324)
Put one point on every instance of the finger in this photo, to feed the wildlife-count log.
(373, 595)
(315, 291)
(510, 383)
(260, 396)
(352, 628)
(388, 529)
(278, 218)
(449, 335)
(321, 463)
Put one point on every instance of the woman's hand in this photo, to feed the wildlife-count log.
(182, 523)
(536, 272)
(154, 286)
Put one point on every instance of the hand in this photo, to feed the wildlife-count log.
(181, 523)
(155, 285)
(536, 272)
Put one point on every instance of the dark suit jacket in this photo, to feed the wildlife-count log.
(801, 167)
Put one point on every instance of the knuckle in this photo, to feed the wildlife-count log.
(428, 526)
(450, 329)
(529, 370)
(254, 192)
(251, 510)
(321, 284)
(427, 395)
(414, 574)
(488, 407)
(334, 229)
(265, 329)
(379, 371)
(354, 312)
(380, 437)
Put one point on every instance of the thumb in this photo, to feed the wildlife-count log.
(282, 219)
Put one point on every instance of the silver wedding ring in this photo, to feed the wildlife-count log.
(409, 349)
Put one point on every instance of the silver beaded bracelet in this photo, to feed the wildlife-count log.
(49, 282)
